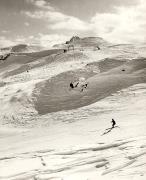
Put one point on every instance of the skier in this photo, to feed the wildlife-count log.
(113, 123)
(71, 85)
(83, 83)
(84, 86)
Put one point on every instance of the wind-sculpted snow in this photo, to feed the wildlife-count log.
(49, 164)
(55, 94)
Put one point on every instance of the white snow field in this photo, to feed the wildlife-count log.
(69, 143)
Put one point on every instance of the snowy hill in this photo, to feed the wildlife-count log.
(87, 42)
(20, 48)
(50, 131)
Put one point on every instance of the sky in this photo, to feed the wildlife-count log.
(47, 22)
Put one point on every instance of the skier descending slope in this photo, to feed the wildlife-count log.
(110, 129)
(113, 123)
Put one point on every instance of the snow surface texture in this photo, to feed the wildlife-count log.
(69, 144)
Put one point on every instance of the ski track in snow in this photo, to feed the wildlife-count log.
(107, 159)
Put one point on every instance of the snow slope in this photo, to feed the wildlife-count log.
(69, 144)
(73, 147)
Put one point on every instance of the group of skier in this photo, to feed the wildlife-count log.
(82, 83)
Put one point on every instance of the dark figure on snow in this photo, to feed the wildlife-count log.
(84, 86)
(77, 84)
(71, 85)
(74, 85)
(113, 123)
(98, 47)
(65, 50)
